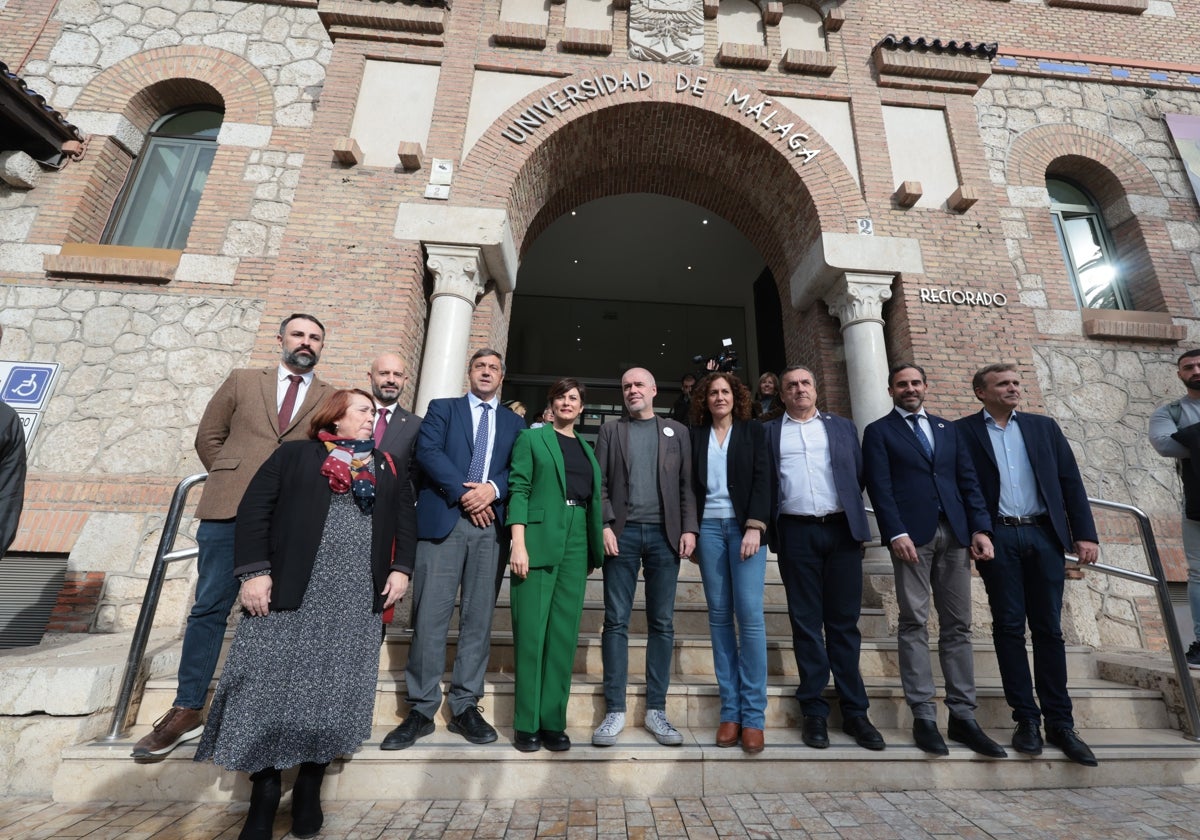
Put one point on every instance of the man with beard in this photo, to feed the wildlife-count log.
(247, 418)
(930, 511)
(1175, 433)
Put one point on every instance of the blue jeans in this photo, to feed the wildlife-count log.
(1024, 582)
(646, 546)
(216, 590)
(733, 588)
(1191, 549)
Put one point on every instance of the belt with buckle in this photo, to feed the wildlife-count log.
(576, 503)
(1013, 521)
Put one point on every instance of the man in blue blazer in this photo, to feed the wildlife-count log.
(929, 510)
(463, 449)
(1039, 510)
(818, 525)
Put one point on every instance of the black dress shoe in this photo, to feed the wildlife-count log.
(526, 741)
(555, 741)
(863, 733)
(1027, 738)
(815, 732)
(415, 726)
(969, 733)
(1069, 742)
(925, 733)
(471, 725)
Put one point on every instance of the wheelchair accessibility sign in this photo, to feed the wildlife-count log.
(26, 385)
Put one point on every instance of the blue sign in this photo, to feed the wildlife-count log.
(27, 385)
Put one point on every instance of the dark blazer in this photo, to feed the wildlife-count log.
(12, 475)
(906, 487)
(400, 441)
(677, 497)
(445, 442)
(282, 516)
(537, 483)
(747, 469)
(1054, 467)
(846, 457)
(240, 428)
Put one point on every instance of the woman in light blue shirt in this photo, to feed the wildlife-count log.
(730, 472)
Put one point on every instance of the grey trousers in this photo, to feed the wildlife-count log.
(465, 559)
(944, 569)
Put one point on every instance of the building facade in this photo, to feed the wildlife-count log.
(954, 184)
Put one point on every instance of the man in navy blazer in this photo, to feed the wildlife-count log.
(463, 448)
(817, 527)
(1039, 510)
(929, 510)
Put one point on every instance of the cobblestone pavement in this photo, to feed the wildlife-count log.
(1113, 813)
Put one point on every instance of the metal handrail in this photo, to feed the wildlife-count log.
(141, 632)
(1158, 579)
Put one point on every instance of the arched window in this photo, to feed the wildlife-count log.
(1087, 247)
(160, 197)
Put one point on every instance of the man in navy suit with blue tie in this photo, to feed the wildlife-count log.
(463, 448)
(1040, 510)
(930, 510)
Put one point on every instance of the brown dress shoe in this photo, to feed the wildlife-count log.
(170, 730)
(727, 734)
(752, 741)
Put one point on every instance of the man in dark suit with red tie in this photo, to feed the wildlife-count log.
(395, 428)
(247, 418)
(930, 510)
(463, 449)
(1039, 511)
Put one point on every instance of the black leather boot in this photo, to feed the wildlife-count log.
(307, 816)
(264, 801)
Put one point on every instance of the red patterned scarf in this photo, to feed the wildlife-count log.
(348, 468)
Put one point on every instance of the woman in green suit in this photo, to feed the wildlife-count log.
(557, 538)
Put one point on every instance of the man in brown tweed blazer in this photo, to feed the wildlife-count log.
(244, 421)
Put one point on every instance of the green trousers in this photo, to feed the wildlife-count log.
(546, 609)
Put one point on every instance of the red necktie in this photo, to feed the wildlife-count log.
(289, 401)
(381, 426)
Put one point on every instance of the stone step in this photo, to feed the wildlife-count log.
(695, 702)
(444, 765)
(690, 619)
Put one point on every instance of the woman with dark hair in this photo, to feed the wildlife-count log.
(730, 473)
(557, 539)
(768, 401)
(314, 542)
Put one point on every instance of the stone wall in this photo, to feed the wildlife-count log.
(1101, 392)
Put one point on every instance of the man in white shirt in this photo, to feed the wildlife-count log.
(819, 523)
(395, 429)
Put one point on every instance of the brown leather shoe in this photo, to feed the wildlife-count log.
(752, 741)
(727, 734)
(170, 730)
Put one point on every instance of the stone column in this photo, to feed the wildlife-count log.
(459, 278)
(857, 299)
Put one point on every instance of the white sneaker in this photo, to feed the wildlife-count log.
(661, 728)
(608, 730)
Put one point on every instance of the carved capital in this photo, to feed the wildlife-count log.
(458, 271)
(855, 298)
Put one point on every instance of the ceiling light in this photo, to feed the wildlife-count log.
(704, 221)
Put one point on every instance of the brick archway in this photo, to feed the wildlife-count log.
(704, 143)
(1063, 148)
(144, 86)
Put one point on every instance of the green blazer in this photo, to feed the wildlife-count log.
(537, 492)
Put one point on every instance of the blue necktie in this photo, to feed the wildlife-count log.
(925, 444)
(479, 455)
